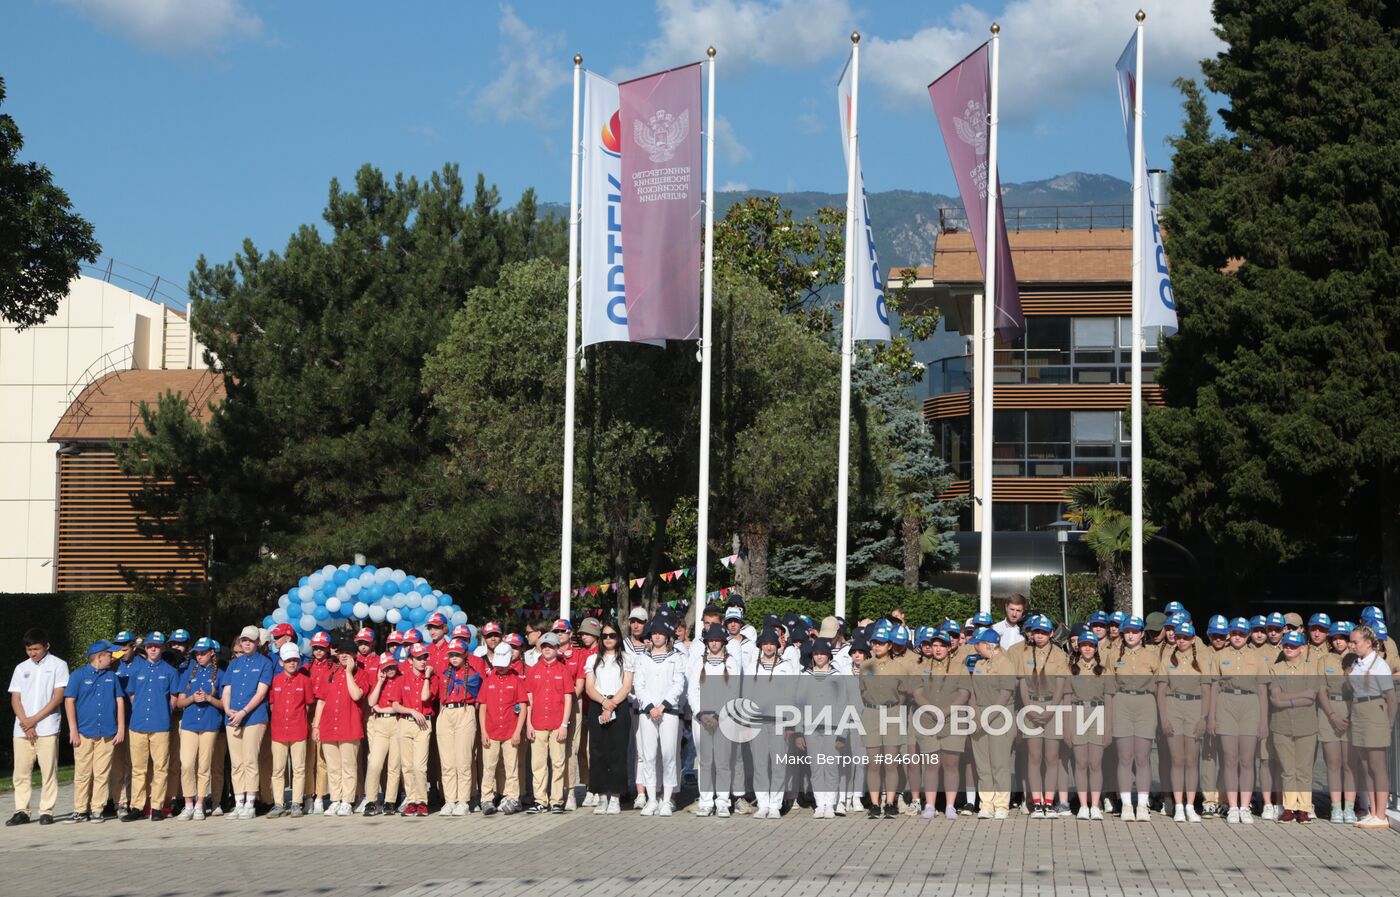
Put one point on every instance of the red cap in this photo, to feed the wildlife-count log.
(515, 641)
(461, 632)
(282, 629)
(562, 624)
(492, 628)
(411, 637)
(437, 620)
(396, 638)
(365, 635)
(419, 650)
(457, 646)
(387, 659)
(321, 640)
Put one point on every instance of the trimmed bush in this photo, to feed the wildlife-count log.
(920, 606)
(1085, 597)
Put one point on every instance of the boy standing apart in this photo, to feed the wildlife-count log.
(36, 693)
(550, 684)
(97, 722)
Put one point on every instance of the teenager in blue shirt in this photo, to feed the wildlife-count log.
(244, 688)
(201, 720)
(151, 685)
(97, 720)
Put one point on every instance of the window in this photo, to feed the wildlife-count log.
(1150, 335)
(1095, 427)
(1093, 333)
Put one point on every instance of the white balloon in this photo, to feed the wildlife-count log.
(283, 601)
(382, 575)
(315, 581)
(353, 587)
(306, 593)
(393, 616)
(376, 613)
(328, 571)
(333, 605)
(280, 615)
(343, 567)
(308, 623)
(459, 618)
(361, 610)
(413, 599)
(430, 602)
(366, 578)
(398, 576)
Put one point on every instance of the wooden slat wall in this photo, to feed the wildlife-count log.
(1077, 302)
(956, 404)
(1080, 397)
(1028, 489)
(98, 534)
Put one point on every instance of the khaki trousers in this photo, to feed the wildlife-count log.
(119, 780)
(316, 780)
(196, 763)
(244, 749)
(576, 758)
(282, 754)
(150, 768)
(547, 766)
(456, 744)
(342, 765)
(414, 741)
(992, 756)
(174, 778)
(265, 771)
(1296, 754)
(382, 737)
(43, 752)
(217, 775)
(92, 765)
(495, 756)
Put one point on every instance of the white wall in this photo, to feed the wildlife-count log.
(42, 369)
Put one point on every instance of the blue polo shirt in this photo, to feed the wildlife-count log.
(243, 676)
(203, 717)
(94, 694)
(149, 686)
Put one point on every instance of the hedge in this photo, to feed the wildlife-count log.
(920, 606)
(1085, 596)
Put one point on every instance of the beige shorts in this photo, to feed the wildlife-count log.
(1134, 716)
(1370, 727)
(889, 735)
(1237, 715)
(1184, 714)
(1081, 717)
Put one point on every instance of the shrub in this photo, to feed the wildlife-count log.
(920, 606)
(1085, 597)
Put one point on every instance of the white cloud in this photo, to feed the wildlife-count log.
(1053, 52)
(533, 67)
(727, 146)
(792, 33)
(733, 187)
(173, 26)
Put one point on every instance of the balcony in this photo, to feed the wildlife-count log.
(1041, 367)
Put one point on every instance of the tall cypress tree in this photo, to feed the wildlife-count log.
(1281, 436)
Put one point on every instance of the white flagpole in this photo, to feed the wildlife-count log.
(566, 537)
(1135, 403)
(702, 516)
(989, 329)
(843, 458)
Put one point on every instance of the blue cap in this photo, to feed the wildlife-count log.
(971, 660)
(1259, 621)
(982, 618)
(942, 635)
(987, 636)
(125, 637)
(1293, 639)
(1371, 612)
(1177, 620)
(1134, 623)
(900, 635)
(1218, 625)
(180, 636)
(951, 626)
(926, 634)
(1089, 637)
(1116, 618)
(1041, 623)
(1276, 619)
(99, 646)
(1174, 607)
(882, 632)
(156, 638)
(217, 647)
(1320, 620)
(1341, 627)
(205, 643)
(1380, 629)
(1098, 616)
(1240, 624)
(1187, 629)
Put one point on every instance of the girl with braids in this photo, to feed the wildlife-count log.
(766, 689)
(946, 684)
(882, 690)
(1332, 722)
(713, 767)
(1373, 707)
(1132, 696)
(1241, 719)
(1087, 690)
(1186, 704)
(1042, 668)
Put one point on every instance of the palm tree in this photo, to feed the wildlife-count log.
(1098, 508)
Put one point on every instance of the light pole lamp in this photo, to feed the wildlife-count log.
(1062, 529)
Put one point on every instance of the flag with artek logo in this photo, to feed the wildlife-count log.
(604, 311)
(870, 316)
(659, 120)
(961, 100)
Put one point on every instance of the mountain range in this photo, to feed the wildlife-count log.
(907, 222)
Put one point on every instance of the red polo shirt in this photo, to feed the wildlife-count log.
(369, 662)
(342, 718)
(289, 698)
(452, 684)
(437, 654)
(548, 685)
(407, 690)
(502, 692)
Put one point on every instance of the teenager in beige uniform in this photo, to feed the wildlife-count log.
(993, 685)
(1212, 799)
(1088, 686)
(1043, 669)
(1241, 718)
(1333, 723)
(882, 691)
(1132, 694)
(946, 684)
(1185, 702)
(1294, 696)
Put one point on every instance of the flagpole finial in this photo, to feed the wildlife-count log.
(996, 28)
(710, 52)
(1141, 15)
(578, 59)
(855, 37)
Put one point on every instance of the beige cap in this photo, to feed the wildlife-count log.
(249, 632)
(828, 628)
(1293, 619)
(264, 636)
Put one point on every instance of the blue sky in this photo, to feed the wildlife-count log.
(179, 127)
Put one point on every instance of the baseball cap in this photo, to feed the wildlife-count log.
(883, 632)
(1293, 639)
(1174, 607)
(492, 628)
(550, 639)
(733, 613)
(1186, 630)
(1155, 621)
(319, 640)
(180, 636)
(1133, 623)
(155, 638)
(396, 638)
(418, 650)
(411, 637)
(1240, 624)
(1341, 627)
(942, 635)
(125, 637)
(365, 635)
(205, 644)
(249, 632)
(1293, 619)
(461, 632)
(986, 636)
(952, 627)
(638, 613)
(437, 619)
(283, 629)
(99, 646)
(924, 634)
(590, 626)
(457, 646)
(1175, 621)
(1040, 623)
(1371, 612)
(1275, 619)
(1320, 620)
(1098, 616)
(514, 640)
(501, 656)
(387, 659)
(1218, 625)
(983, 618)
(289, 652)
(562, 625)
(830, 626)
(1116, 618)
(1259, 621)
(1089, 636)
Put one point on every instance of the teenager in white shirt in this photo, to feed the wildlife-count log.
(36, 696)
(1373, 706)
(658, 683)
(712, 678)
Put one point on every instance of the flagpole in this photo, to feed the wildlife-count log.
(843, 459)
(1135, 402)
(566, 536)
(702, 516)
(989, 319)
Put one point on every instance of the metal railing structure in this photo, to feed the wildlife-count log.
(1112, 216)
(139, 281)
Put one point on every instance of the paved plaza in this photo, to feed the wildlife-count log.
(582, 854)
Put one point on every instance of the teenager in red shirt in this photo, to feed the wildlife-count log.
(499, 714)
(339, 724)
(414, 699)
(438, 642)
(365, 656)
(456, 725)
(318, 785)
(289, 699)
(550, 684)
(381, 733)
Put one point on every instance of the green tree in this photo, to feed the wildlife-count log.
(1099, 507)
(1282, 382)
(42, 240)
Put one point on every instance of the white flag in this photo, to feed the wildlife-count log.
(1158, 300)
(871, 316)
(600, 237)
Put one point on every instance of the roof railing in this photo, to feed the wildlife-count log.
(139, 281)
(1112, 216)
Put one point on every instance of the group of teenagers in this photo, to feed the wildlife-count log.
(465, 720)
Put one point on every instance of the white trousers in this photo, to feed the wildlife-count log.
(825, 776)
(658, 737)
(714, 769)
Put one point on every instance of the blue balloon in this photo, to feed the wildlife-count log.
(304, 581)
(320, 613)
(417, 615)
(355, 571)
(403, 626)
(268, 622)
(425, 589)
(340, 577)
(370, 569)
(391, 587)
(320, 598)
(375, 592)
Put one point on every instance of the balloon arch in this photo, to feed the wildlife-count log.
(331, 597)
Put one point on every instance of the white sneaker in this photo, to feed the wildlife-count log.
(217, 811)
(330, 809)
(590, 799)
(1192, 815)
(600, 807)
(819, 812)
(250, 811)
(664, 808)
(1180, 814)
(1233, 816)
(650, 808)
(704, 808)
(343, 809)
(198, 815)
(1270, 813)
(1083, 812)
(461, 809)
(187, 813)
(1128, 814)
(722, 809)
(840, 808)
(984, 813)
(761, 812)
(915, 807)
(742, 807)
(1143, 814)
(323, 805)
(1096, 814)
(1246, 817)
(614, 805)
(447, 809)
(830, 812)
(1001, 814)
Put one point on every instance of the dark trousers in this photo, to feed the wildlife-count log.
(607, 750)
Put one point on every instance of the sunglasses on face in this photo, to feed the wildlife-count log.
(611, 635)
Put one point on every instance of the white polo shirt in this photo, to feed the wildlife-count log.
(35, 684)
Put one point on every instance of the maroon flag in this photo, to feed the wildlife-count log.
(961, 100)
(661, 203)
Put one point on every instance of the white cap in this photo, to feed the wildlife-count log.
(249, 632)
(638, 613)
(289, 651)
(501, 656)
